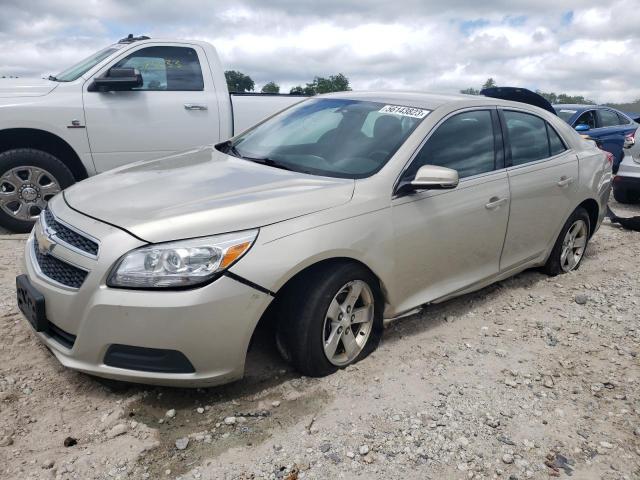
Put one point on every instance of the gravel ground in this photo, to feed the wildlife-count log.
(534, 377)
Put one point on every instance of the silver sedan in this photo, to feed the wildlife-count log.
(330, 216)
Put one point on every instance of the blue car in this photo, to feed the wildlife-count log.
(610, 127)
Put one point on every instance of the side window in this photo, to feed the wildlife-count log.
(556, 145)
(166, 68)
(587, 118)
(464, 142)
(623, 120)
(608, 118)
(527, 137)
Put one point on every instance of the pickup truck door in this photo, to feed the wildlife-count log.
(175, 109)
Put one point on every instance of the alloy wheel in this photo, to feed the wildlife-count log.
(25, 191)
(573, 245)
(348, 322)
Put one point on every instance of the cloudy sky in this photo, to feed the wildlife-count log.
(589, 47)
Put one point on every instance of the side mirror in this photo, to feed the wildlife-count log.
(582, 127)
(432, 177)
(117, 80)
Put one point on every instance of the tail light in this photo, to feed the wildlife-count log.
(609, 156)
(630, 139)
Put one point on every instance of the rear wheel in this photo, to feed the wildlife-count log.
(331, 319)
(28, 180)
(571, 244)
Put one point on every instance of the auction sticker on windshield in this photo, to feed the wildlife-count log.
(405, 111)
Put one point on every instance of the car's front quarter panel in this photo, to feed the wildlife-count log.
(211, 325)
(52, 113)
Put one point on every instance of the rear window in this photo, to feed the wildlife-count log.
(608, 118)
(531, 138)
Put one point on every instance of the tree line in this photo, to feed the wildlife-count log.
(551, 97)
(238, 82)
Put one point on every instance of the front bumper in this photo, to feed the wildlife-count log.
(211, 326)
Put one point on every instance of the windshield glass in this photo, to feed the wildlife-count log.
(72, 73)
(330, 137)
(565, 113)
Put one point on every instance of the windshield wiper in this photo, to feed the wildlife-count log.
(268, 161)
(230, 148)
(52, 78)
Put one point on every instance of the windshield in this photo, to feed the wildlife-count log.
(565, 113)
(72, 73)
(329, 137)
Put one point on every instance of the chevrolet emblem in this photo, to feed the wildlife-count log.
(45, 242)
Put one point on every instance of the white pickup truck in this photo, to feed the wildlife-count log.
(135, 100)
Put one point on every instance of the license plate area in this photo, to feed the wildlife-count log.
(31, 304)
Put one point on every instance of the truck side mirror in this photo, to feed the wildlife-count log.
(117, 80)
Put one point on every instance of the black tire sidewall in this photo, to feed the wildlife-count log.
(553, 267)
(37, 158)
(306, 312)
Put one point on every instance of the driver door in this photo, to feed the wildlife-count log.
(175, 109)
(446, 240)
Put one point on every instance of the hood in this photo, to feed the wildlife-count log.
(202, 192)
(25, 87)
(521, 95)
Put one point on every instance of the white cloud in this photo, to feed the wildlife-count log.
(412, 44)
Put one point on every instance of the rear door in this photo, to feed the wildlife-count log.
(449, 239)
(543, 178)
(175, 109)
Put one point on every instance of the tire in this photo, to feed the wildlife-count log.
(28, 179)
(556, 264)
(622, 195)
(304, 323)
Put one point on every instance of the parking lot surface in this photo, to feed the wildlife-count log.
(534, 377)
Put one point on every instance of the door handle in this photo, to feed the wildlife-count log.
(564, 181)
(195, 106)
(495, 202)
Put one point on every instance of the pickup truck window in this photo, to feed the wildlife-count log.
(76, 71)
(166, 68)
(325, 137)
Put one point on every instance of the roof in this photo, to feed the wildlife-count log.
(429, 101)
(574, 106)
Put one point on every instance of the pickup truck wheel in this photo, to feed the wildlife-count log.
(29, 178)
(571, 244)
(331, 319)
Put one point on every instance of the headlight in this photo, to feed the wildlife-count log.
(183, 263)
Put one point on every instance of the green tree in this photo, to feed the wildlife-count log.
(470, 91)
(490, 83)
(564, 98)
(238, 81)
(271, 87)
(333, 83)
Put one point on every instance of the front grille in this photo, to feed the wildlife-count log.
(57, 270)
(68, 235)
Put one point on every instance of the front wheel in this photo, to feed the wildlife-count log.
(571, 244)
(29, 178)
(331, 319)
